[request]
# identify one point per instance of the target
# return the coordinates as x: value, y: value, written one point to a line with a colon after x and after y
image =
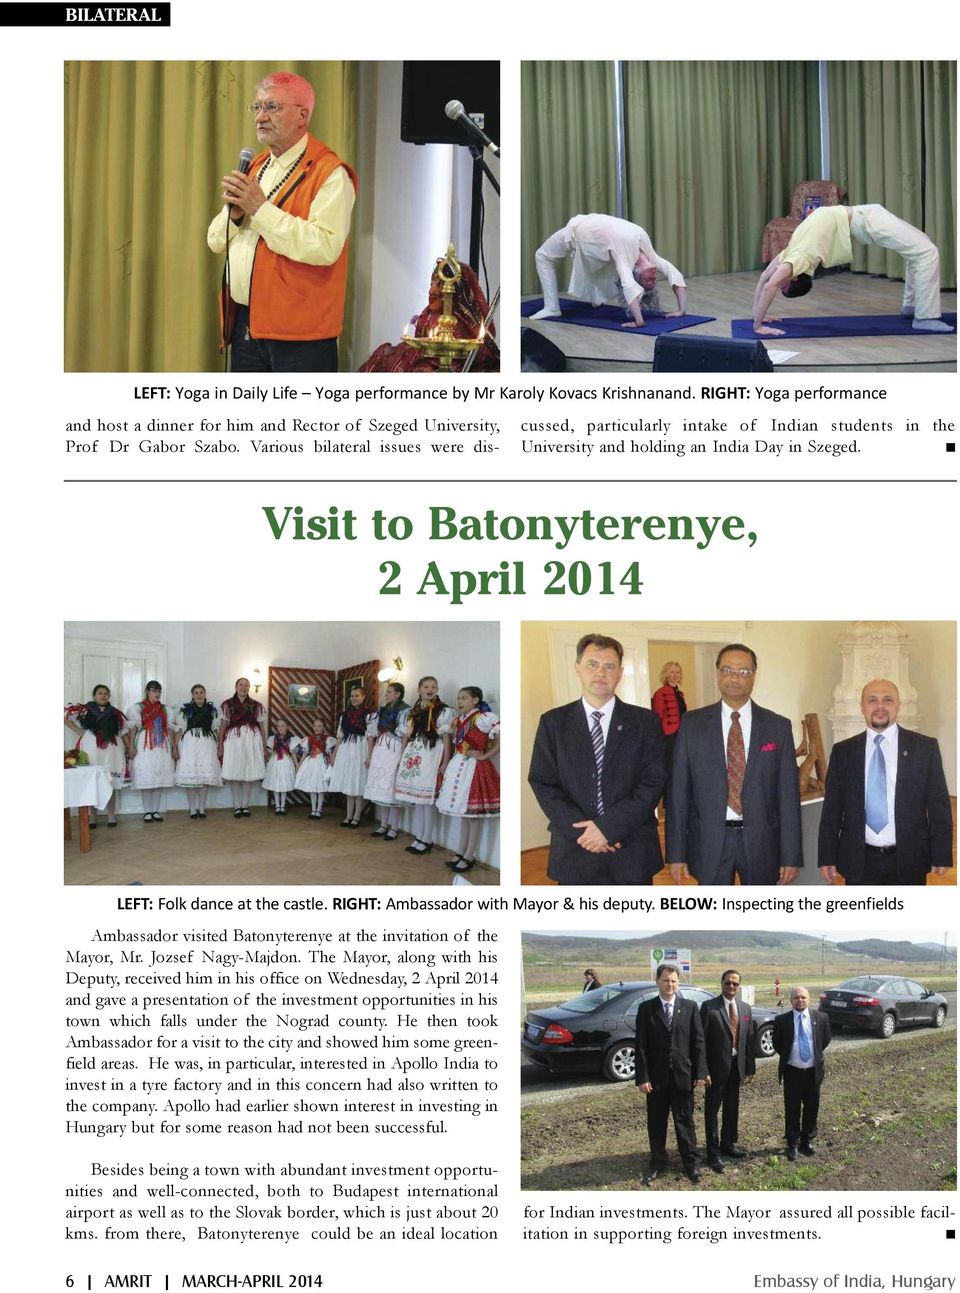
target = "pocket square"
x: 770, y: 745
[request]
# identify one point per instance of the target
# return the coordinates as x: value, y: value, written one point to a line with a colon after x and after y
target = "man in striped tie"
x: 598, y: 772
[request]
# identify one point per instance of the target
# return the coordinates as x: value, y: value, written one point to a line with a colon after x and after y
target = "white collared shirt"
x: 605, y: 712
x: 726, y: 722
x: 890, y: 747
x: 794, y: 1059
x: 672, y: 1003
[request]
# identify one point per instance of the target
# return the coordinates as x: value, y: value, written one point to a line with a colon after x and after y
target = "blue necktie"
x: 803, y: 1041
x: 596, y: 735
x: 877, y: 816
x: 668, y: 1015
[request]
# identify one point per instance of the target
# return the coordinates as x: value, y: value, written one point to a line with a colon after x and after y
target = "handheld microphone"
x: 456, y: 112
x: 246, y: 157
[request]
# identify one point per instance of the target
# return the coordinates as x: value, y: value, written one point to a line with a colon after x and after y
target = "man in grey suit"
x: 598, y: 772
x: 733, y: 808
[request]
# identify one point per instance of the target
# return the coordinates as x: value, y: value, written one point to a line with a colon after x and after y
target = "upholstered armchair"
x: 779, y: 231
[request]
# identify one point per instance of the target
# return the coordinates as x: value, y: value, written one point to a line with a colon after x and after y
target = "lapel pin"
x: 619, y: 727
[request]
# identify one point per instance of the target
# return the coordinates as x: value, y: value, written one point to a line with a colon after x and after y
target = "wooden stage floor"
x: 730, y: 296
x: 262, y: 849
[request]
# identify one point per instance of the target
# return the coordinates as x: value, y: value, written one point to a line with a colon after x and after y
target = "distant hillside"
x: 887, y: 951
x: 744, y: 946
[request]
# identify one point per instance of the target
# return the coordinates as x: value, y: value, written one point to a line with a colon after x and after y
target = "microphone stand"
x: 480, y: 168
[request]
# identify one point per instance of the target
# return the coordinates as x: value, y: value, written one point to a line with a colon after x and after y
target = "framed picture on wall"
x: 303, y: 696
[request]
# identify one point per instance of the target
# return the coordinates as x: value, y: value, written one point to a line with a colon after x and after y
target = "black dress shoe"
x: 244, y: 812
x: 109, y: 824
x: 791, y: 1153
x: 693, y: 1174
x: 238, y: 812
x: 715, y: 1165
x: 651, y: 1176
x: 807, y: 1149
x: 733, y: 1151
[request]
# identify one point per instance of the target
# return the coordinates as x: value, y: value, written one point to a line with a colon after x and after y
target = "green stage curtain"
x: 940, y: 118
x: 713, y: 152
x: 883, y: 117
x: 145, y: 145
x: 568, y: 149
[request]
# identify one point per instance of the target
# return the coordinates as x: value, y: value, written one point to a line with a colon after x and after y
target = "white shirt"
x: 794, y: 1059
x: 318, y: 240
x: 664, y: 1004
x: 726, y: 722
x: 605, y: 250
x: 604, y: 711
x: 889, y: 745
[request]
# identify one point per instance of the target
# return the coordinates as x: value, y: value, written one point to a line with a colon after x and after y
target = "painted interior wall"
x: 797, y: 670
x: 216, y: 653
x: 419, y: 203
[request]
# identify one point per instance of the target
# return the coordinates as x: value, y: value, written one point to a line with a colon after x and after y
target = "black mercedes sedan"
x: 594, y: 1033
x: 881, y: 1003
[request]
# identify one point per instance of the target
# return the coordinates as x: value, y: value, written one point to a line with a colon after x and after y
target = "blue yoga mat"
x: 843, y: 325
x: 612, y: 317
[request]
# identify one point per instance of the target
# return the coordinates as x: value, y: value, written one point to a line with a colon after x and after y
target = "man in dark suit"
x: 733, y: 806
x: 597, y: 771
x: 729, y: 1035
x: 800, y: 1038
x: 886, y: 812
x: 670, y: 1064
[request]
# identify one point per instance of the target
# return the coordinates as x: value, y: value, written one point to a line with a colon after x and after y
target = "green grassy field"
x: 887, y: 1122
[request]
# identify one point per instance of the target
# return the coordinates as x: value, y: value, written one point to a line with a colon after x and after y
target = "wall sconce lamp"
x: 256, y: 679
x: 391, y: 671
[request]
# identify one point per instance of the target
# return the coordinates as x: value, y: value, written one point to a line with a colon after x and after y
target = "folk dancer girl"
x: 349, y: 775
x: 281, y: 773
x: 242, y: 745
x: 100, y: 727
x: 384, y: 743
x: 471, y: 784
x: 198, y: 767
x: 423, y: 759
x: 313, y: 774
x: 152, y: 748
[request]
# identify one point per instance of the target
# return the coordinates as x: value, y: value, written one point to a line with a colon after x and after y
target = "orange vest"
x: 290, y: 301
